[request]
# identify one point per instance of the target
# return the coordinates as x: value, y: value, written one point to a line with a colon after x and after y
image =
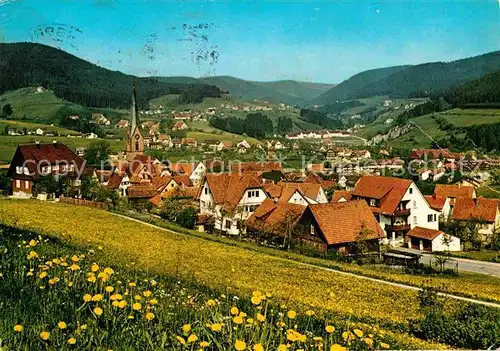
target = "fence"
x: 81, y: 202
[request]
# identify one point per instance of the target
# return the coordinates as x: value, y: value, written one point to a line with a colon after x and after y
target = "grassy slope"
x: 430, y: 129
x: 213, y: 264
x: 19, y: 125
x: 231, y: 259
x: 8, y: 144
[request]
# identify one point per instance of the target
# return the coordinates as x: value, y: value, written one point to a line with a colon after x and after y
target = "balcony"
x: 402, y: 212
x: 397, y: 228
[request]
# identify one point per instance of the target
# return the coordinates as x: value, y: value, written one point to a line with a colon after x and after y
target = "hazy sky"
x: 325, y: 41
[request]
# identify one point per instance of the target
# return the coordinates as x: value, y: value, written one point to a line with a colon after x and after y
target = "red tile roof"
x: 339, y: 194
x: 141, y: 191
x: 256, y: 166
x: 388, y: 190
x: 156, y: 200
x: 307, y: 189
x: 436, y: 153
x: 271, y: 217
x: 182, y: 179
x: 479, y: 209
x: 115, y: 180
x: 424, y: 233
x: 436, y: 202
x: 182, y: 168
x: 455, y: 190
x: 343, y: 221
x: 227, y: 189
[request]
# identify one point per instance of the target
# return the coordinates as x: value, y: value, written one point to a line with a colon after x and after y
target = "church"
x: 134, y: 139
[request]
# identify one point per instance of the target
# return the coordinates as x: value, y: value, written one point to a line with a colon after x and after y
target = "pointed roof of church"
x: 134, y: 122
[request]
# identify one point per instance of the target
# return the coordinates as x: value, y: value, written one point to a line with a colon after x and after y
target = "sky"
x: 313, y: 41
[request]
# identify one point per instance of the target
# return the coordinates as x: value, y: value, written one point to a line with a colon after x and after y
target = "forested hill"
x: 481, y: 92
x: 348, y: 88
x: 420, y: 80
x: 81, y: 82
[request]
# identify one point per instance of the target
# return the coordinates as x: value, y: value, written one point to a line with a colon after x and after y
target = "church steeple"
x: 133, y: 123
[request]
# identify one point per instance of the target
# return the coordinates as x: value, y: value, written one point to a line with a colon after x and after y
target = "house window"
x: 228, y: 224
x: 414, y: 219
x: 431, y: 218
x: 414, y: 204
x: 206, y: 190
x: 136, y: 146
x: 411, y: 190
x: 26, y: 184
x: 19, y: 170
x: 373, y: 202
x: 18, y: 183
x: 313, y: 232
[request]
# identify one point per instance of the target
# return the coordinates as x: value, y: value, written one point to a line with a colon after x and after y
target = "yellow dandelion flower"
x: 98, y: 311
x: 74, y: 267
x: 32, y: 255
x: 329, y: 329
x: 32, y: 242
x: 282, y: 347
x: 186, y: 328
x: 137, y: 306
x: 97, y: 297
x: 116, y: 297
x: 384, y: 345
x: 235, y: 311
x: 204, y: 344
x: 70, y: 284
x: 83, y: 326
x: 42, y: 275
x: 310, y: 313
x: 368, y: 341
x: 131, y: 284
x: 291, y: 314
x: 211, y: 303
x: 258, y: 347
x: 122, y: 304
x: 29, y: 274
x: 181, y: 340
x: 240, y: 345
x: 216, y: 327
x: 261, y: 317
x: 115, y: 303
x: 62, y: 325
x: 153, y: 301
x: 237, y: 320
x: 358, y: 332
x: 192, y: 338
x: 95, y: 267
x: 18, y: 328
x: 92, y: 279
x: 45, y: 335
x: 256, y: 300
x: 138, y: 297
x: 75, y: 258
x: 147, y: 293
x: 87, y: 298
x: 109, y: 289
x: 108, y: 271
x: 71, y: 341
x: 150, y: 316
x: 337, y: 347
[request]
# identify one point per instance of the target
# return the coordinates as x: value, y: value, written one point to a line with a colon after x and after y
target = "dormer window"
x: 373, y: 202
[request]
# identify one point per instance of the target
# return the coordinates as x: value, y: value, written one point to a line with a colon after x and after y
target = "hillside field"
x: 20, y: 125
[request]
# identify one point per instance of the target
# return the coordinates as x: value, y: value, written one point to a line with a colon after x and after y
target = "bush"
x: 187, y: 218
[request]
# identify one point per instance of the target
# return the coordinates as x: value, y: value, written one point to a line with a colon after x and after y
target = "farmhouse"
x: 31, y: 162
x: 231, y: 207
x: 179, y: 126
x: 224, y: 145
x: 397, y: 204
x: 483, y: 211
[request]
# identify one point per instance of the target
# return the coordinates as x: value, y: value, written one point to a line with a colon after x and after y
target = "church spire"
x: 134, y: 110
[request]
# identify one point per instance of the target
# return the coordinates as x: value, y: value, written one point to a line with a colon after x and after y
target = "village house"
x: 123, y: 123
x: 39, y: 131
x: 224, y: 145
x: 296, y: 193
x: 397, y: 204
x: 31, y: 162
x: 419, y: 154
x: 341, y: 196
x: 483, y: 211
x: 243, y: 144
x: 454, y: 191
x: 190, y: 143
x: 441, y: 204
x: 202, y: 167
x: 432, y: 240
x: 179, y: 126
x: 99, y: 118
x: 230, y: 208
x: 164, y: 139
x: 119, y: 181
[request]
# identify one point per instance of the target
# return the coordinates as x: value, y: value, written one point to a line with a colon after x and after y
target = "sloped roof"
x: 115, y: 180
x: 182, y: 179
x: 50, y: 153
x: 227, y: 189
x: 156, y: 200
x: 436, y: 202
x: 479, y: 209
x: 436, y: 153
x: 141, y: 191
x: 343, y: 221
x: 256, y: 166
x: 182, y: 168
x: 339, y: 194
x: 388, y: 190
x: 308, y: 189
x: 454, y: 190
x: 424, y: 233
x: 270, y: 217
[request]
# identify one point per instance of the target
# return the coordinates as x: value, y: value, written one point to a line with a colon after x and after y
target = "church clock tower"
x: 134, y: 138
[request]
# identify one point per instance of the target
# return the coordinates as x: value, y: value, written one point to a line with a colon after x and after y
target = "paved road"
x: 399, y: 285
x: 474, y: 266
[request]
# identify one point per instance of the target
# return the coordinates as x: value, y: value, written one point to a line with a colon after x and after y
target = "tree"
x: 285, y: 125
x: 257, y: 125
x: 46, y: 184
x: 97, y: 153
x: 187, y: 218
x: 7, y: 110
x: 166, y: 125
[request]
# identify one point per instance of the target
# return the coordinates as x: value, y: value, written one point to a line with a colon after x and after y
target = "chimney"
x: 37, y: 143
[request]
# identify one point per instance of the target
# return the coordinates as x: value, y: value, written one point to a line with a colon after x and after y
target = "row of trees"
x: 256, y: 125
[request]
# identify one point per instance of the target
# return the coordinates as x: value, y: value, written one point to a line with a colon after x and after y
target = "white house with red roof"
x: 230, y: 198
x: 432, y: 240
x: 397, y: 204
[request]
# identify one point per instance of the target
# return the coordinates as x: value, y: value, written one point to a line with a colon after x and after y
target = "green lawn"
x: 8, y: 144
x: 488, y: 256
x: 469, y: 117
